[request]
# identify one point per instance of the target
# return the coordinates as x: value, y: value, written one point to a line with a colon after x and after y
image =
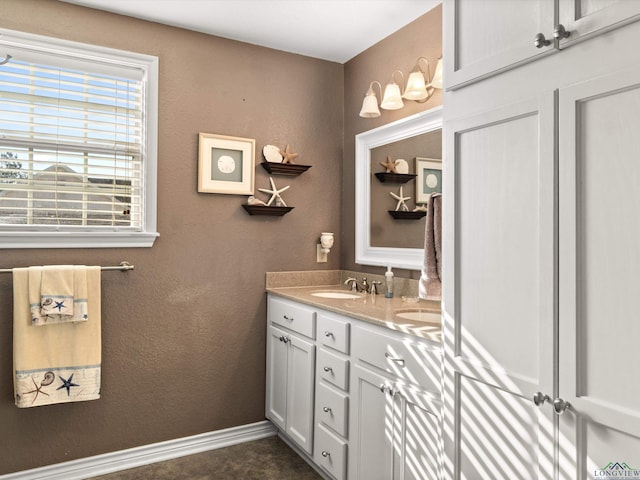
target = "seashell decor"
x: 272, y: 154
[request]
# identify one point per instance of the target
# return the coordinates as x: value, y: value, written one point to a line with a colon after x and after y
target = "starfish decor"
x: 401, y: 201
x: 390, y: 166
x: 274, y: 192
x: 288, y: 157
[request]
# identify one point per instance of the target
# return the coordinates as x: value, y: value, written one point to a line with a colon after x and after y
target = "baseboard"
x: 147, y: 454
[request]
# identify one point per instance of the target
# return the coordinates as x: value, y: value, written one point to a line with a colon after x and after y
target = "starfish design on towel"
x: 67, y: 384
x: 60, y: 305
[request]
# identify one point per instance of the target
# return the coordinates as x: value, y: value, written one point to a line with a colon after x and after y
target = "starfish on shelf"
x: 288, y: 157
x: 274, y: 192
x: 390, y: 166
x: 401, y: 201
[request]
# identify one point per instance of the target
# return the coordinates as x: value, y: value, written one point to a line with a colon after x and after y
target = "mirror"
x: 373, y: 143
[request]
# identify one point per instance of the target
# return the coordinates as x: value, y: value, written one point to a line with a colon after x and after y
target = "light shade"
x: 437, y: 76
x: 392, y: 99
x: 416, y: 86
x: 370, y: 103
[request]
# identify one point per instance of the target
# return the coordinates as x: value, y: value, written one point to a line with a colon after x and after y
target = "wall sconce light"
x: 324, y: 247
x: 420, y: 89
x: 370, y: 102
x: 417, y: 89
x: 392, y: 99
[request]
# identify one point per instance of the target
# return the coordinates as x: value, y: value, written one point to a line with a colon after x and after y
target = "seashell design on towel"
x: 48, y: 379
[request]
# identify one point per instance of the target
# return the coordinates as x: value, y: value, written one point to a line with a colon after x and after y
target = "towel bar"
x: 123, y: 267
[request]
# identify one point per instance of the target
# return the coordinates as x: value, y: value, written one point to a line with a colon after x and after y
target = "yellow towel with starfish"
x: 56, y: 363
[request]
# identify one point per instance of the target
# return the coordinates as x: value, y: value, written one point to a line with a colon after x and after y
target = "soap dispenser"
x: 388, y: 280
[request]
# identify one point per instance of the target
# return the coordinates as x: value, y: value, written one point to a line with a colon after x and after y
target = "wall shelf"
x: 395, y: 177
x: 401, y: 215
x: 265, y: 210
x: 289, y: 169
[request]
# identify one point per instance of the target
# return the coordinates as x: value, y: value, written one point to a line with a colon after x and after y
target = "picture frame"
x: 226, y: 164
x: 429, y: 179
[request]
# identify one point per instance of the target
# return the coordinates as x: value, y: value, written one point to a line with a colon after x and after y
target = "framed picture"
x: 429, y: 179
x: 226, y: 164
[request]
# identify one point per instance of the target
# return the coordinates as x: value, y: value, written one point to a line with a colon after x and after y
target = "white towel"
x: 58, y: 294
x: 59, y: 362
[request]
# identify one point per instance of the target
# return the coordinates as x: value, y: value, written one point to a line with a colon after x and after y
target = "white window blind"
x: 74, y: 142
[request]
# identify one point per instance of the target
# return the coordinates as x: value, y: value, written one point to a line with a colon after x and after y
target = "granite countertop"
x: 374, y: 309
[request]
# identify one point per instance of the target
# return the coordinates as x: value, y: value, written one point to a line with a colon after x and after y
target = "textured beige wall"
x: 184, y: 333
x: 421, y: 38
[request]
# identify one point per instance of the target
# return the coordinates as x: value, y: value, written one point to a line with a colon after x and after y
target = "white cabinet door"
x: 586, y: 18
x: 599, y: 241
x: 499, y: 314
x: 487, y: 36
x: 290, y: 385
x: 300, y: 391
x: 372, y: 426
x: 276, y: 401
x: 420, y: 455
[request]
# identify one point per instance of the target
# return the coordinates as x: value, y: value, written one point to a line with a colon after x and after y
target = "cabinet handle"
x: 539, y: 41
x: 539, y: 398
x: 559, y: 32
x: 328, y: 369
x: 394, y: 359
x: 288, y: 318
x: 284, y: 338
x: 326, y: 409
x: 384, y: 388
x: 328, y: 334
x: 560, y: 405
x: 325, y: 454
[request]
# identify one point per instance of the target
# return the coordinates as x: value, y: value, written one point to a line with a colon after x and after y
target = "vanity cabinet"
x: 488, y: 37
x: 540, y: 190
x: 396, y: 412
x: 372, y: 405
x: 291, y: 370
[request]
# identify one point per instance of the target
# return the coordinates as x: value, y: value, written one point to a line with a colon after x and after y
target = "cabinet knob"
x: 559, y: 32
x: 394, y: 359
x: 328, y: 334
x: 539, y: 398
x: 326, y: 409
x: 325, y: 454
x: 384, y: 388
x: 540, y: 41
x: 284, y: 338
x: 328, y: 369
x: 288, y: 318
x: 560, y: 405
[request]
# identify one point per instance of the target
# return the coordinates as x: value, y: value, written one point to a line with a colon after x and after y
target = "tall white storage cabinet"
x: 542, y: 244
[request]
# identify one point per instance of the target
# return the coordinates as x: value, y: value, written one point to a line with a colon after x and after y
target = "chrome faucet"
x: 352, y: 283
x: 362, y: 286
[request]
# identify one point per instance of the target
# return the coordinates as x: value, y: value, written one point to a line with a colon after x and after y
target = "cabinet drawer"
x: 332, y: 409
x: 406, y: 358
x: 291, y: 315
x: 331, y: 453
x: 333, y: 332
x: 333, y: 368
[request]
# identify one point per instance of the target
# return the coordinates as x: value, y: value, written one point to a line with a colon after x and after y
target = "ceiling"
x: 335, y: 30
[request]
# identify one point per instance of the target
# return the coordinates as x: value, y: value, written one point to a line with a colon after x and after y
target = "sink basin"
x: 419, y: 315
x: 336, y: 295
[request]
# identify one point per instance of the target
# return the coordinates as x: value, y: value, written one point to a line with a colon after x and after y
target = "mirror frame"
x: 408, y: 258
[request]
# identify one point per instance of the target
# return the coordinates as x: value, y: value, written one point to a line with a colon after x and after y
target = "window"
x: 78, y: 134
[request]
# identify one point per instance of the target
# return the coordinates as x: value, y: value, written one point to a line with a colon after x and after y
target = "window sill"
x: 77, y: 239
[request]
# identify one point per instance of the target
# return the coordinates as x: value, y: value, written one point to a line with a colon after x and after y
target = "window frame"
x: 26, y: 236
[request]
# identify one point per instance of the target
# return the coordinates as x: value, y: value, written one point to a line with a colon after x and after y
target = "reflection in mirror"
x: 380, y: 239
x: 384, y: 230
